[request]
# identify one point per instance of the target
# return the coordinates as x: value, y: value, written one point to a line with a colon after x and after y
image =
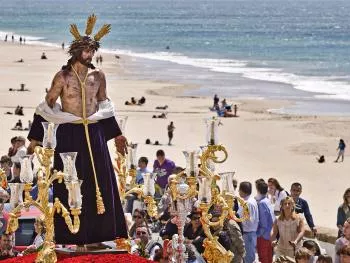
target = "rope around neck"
x: 99, y: 200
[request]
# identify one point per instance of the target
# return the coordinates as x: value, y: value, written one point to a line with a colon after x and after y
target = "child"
x: 39, y: 228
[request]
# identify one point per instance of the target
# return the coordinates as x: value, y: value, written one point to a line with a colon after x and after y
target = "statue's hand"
x: 121, y: 143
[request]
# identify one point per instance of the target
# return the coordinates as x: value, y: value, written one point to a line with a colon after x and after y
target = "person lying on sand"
x: 321, y: 159
x: 133, y: 101
x: 161, y: 116
x: 162, y: 107
x: 141, y: 101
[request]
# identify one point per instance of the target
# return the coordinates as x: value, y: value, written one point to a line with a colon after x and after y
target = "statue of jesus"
x: 86, y: 119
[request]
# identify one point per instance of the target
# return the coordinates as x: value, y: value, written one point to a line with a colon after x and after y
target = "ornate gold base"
x: 47, y: 253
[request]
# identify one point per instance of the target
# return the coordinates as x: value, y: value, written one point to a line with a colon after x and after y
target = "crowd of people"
x: 274, y: 233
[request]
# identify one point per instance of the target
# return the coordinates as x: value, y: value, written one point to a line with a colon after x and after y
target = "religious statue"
x: 86, y: 119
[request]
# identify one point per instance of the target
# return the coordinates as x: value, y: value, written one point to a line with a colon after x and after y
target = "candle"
x: 212, y: 132
x: 74, y: 194
x: 192, y: 163
x: 26, y: 174
x: 146, y: 186
x: 69, y: 167
x: 50, y: 132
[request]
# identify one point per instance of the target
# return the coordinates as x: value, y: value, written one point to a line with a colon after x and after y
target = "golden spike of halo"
x: 90, y: 23
x: 106, y: 28
x: 75, y: 32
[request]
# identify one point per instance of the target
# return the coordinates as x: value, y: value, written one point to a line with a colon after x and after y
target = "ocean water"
x: 294, y: 49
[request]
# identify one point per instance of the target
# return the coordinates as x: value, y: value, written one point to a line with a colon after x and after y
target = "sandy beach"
x: 260, y: 144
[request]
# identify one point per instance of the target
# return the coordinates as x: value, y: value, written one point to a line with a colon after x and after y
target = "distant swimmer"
x: 167, y: 47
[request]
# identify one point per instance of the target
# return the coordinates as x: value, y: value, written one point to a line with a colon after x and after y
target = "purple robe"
x: 71, y: 138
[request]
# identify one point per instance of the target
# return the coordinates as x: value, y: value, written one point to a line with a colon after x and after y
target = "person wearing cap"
x: 21, y: 149
x: 86, y: 119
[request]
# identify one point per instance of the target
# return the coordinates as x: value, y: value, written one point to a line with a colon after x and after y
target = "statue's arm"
x: 54, y: 92
x: 32, y: 145
x: 102, y: 90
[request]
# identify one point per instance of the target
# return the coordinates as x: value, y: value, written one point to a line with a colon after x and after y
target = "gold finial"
x: 90, y: 23
x: 106, y: 28
x: 75, y: 32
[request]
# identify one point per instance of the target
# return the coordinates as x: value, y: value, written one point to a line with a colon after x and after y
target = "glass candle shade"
x: 121, y: 120
x: 69, y: 170
x: 204, y: 193
x: 148, y: 186
x: 225, y: 182
x: 132, y: 158
x: 192, y: 160
x: 49, y: 140
x: 212, y: 130
x: 182, y: 188
x: 16, y: 196
x: 26, y: 174
x: 74, y: 193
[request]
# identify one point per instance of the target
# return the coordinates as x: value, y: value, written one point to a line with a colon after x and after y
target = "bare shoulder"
x: 99, y: 74
x: 61, y: 76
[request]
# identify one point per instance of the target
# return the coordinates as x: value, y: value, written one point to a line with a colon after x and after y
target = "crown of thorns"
x: 81, y: 42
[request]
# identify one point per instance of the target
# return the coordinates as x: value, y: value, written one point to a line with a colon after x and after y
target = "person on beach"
x: 62, y: 45
x: 341, y: 150
x: 235, y: 108
x: 216, y: 102
x: 86, y: 119
x: 18, y: 125
x: 171, y: 129
x: 43, y: 56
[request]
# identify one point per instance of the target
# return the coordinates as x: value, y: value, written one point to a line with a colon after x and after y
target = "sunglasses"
x: 195, y: 218
x: 139, y: 217
x: 139, y: 233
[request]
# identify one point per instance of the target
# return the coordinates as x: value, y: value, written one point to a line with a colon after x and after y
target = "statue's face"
x: 86, y: 56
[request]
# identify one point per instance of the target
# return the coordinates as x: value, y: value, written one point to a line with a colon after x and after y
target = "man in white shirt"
x: 20, y: 145
x: 249, y: 227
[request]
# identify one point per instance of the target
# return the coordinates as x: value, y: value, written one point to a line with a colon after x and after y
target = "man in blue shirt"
x: 250, y: 226
x: 142, y: 169
x: 266, y: 218
x: 301, y: 206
